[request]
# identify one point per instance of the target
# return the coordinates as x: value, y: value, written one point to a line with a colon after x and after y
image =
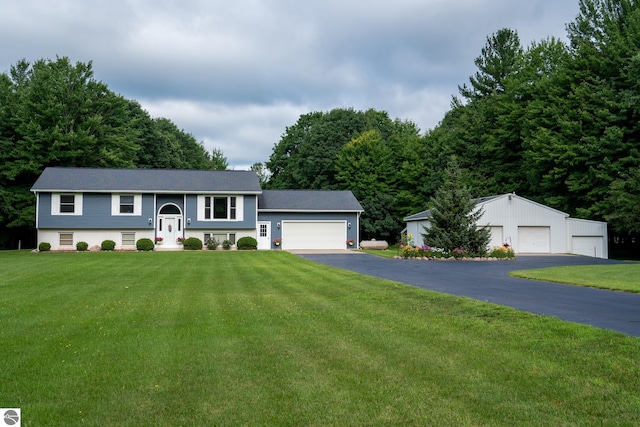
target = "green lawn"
x: 620, y: 277
x: 266, y: 338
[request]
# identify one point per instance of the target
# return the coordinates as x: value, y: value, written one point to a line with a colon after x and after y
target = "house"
x: 529, y: 227
x: 125, y: 205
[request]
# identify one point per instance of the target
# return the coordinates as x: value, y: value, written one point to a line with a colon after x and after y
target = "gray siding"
x: 246, y: 223
x: 96, y: 213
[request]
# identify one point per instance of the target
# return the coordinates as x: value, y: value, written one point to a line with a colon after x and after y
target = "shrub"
x: 226, y: 245
x: 192, y: 243
x: 502, y: 252
x: 108, y: 245
x: 44, y: 246
x: 247, y: 243
x: 144, y: 244
x: 82, y: 246
x: 212, y: 244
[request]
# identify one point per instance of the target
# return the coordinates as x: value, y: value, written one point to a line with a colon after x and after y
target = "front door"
x: 264, y: 235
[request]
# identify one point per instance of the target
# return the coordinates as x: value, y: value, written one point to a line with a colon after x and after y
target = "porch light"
x: 150, y: 220
x: 278, y: 225
x: 349, y: 225
x: 188, y: 220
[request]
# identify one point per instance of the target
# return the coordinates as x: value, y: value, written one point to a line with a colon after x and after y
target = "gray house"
x: 124, y: 205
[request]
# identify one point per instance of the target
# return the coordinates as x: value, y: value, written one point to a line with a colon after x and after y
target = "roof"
x: 424, y: 215
x: 146, y: 180
x: 308, y: 200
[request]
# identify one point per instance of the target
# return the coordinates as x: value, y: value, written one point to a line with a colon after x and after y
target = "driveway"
x: 488, y: 281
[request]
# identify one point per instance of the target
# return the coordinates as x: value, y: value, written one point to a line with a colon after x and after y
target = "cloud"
x: 236, y: 74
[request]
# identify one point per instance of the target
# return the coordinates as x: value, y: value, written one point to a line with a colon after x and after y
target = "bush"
x: 247, y: 243
x: 212, y: 244
x: 144, y: 244
x: 226, y: 245
x: 108, y: 245
x: 82, y: 246
x: 192, y: 243
x: 502, y: 252
x: 44, y: 246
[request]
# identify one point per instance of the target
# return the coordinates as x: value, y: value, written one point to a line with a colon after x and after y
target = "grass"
x: 619, y: 277
x: 267, y: 338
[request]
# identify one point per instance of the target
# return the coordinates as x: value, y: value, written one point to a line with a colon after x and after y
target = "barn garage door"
x: 534, y: 240
x: 588, y: 245
x: 314, y: 234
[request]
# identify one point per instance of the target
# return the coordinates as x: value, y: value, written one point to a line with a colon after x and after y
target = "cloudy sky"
x: 236, y: 73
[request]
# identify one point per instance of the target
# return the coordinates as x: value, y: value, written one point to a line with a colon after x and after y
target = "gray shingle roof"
x: 146, y: 180
x: 308, y: 200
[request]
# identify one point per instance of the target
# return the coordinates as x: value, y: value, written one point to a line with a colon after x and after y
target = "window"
x: 66, y: 239
x: 227, y: 208
x: 220, y: 210
x: 126, y: 204
x: 221, y: 237
x: 263, y: 230
x: 128, y: 239
x: 66, y: 204
x: 207, y: 208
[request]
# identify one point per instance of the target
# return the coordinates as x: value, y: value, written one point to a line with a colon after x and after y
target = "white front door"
x: 169, y: 228
x: 264, y: 235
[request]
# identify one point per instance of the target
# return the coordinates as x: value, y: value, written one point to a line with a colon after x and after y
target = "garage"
x: 534, y: 240
x: 314, y: 234
x: 588, y: 245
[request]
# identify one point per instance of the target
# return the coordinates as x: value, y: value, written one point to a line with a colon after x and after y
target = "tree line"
x: 556, y: 122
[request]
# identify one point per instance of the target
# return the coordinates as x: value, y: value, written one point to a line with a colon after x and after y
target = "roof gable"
x: 483, y: 201
x: 146, y: 180
x: 308, y: 200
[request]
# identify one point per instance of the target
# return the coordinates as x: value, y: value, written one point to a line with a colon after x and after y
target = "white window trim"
x: 239, y: 208
x: 77, y: 204
x: 137, y: 205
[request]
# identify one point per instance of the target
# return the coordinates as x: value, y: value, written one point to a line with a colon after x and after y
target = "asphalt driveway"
x: 488, y: 281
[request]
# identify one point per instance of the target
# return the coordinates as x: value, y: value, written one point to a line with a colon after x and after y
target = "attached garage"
x: 534, y: 240
x: 308, y: 219
x: 314, y: 234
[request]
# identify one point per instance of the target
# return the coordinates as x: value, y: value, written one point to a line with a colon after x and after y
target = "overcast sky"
x: 236, y: 73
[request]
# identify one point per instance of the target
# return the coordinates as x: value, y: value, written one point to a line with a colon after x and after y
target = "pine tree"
x: 454, y: 217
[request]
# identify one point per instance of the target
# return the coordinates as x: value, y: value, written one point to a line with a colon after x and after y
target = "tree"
x: 364, y: 166
x: 219, y: 161
x: 625, y: 200
x: 454, y: 217
x: 305, y: 156
x: 499, y: 60
x: 262, y: 172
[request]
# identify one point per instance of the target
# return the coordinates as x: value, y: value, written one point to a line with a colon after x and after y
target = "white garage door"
x: 534, y: 240
x: 588, y: 245
x: 496, y: 237
x: 314, y: 234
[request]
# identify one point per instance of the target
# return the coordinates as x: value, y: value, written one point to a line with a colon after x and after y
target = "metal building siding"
x: 511, y: 212
x: 581, y: 231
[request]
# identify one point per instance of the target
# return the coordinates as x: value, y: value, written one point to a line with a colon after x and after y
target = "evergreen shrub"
x: 144, y: 244
x: 108, y: 245
x: 247, y: 243
x: 192, y: 243
x: 44, y: 246
x: 82, y: 246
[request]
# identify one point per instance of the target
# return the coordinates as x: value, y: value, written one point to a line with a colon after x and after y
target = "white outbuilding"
x: 529, y: 227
